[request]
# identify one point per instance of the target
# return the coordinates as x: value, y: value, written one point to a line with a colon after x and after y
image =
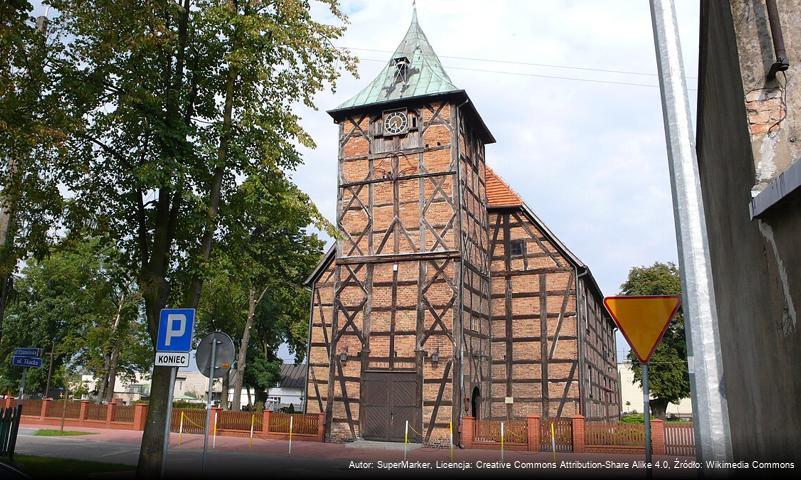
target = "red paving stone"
x: 336, y: 451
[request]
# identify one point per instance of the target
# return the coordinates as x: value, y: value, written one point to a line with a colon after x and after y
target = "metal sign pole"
x: 705, y: 365
x: 22, y: 384
x: 208, y: 402
x: 168, y: 423
x: 646, y: 416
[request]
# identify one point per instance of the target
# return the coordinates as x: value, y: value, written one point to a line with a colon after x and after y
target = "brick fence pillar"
x: 140, y: 416
x: 43, y: 410
x: 533, y: 424
x: 321, y: 426
x: 578, y: 434
x: 7, y: 402
x: 658, y: 436
x: 265, y: 421
x: 110, y: 409
x: 468, y: 430
x: 84, y: 410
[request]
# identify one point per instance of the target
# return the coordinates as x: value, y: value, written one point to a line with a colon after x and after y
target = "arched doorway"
x: 475, y: 402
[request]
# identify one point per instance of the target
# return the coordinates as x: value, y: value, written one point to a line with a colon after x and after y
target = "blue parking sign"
x: 175, y: 330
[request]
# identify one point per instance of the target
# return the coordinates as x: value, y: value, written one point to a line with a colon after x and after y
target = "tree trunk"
x: 112, y: 374
x: 659, y: 408
x: 239, y: 373
x: 150, y: 454
x: 225, y: 389
x: 106, y: 390
x: 5, y: 243
x: 155, y: 291
x: 153, y: 285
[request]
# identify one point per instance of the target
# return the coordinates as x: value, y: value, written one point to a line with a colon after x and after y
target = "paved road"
x: 233, y: 458
x: 182, y: 463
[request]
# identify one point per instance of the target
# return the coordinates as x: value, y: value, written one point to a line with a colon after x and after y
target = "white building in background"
x: 288, y: 391
x: 191, y: 386
x: 631, y: 395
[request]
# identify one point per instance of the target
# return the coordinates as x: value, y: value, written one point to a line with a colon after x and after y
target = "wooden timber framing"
x: 407, y: 287
x: 424, y: 270
x: 536, y: 323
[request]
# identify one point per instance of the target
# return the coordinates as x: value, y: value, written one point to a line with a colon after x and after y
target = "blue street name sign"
x: 28, y: 352
x: 30, y: 362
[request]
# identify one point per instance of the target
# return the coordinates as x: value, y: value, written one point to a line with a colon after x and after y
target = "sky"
x: 588, y: 157
x: 581, y: 142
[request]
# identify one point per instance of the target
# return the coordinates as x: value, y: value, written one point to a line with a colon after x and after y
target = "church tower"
x: 400, y: 327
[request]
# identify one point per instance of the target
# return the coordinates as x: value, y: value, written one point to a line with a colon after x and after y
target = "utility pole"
x: 49, y: 368
x: 707, y: 382
x: 7, y: 215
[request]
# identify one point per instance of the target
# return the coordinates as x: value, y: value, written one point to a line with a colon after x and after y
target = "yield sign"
x: 643, y: 320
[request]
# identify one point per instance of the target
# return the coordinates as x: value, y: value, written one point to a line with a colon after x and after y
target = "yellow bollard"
x: 405, y: 440
x: 214, y: 438
x: 502, y: 442
x: 450, y: 427
x: 181, y: 430
x: 252, y: 420
x: 553, y: 441
x: 291, y: 423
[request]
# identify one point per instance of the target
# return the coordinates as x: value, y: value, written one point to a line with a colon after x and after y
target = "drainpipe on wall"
x: 782, y: 63
x: 460, y: 407
x: 580, y: 320
x: 308, y: 348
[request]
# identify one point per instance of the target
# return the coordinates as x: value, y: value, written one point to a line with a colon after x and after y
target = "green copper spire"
x: 414, y: 70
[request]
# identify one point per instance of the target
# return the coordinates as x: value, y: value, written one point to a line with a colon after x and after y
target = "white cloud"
x: 589, y: 158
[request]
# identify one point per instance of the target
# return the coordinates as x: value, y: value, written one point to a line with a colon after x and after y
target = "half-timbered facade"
x: 421, y: 313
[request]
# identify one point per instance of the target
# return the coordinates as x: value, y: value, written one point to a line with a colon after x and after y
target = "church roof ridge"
x: 413, y: 71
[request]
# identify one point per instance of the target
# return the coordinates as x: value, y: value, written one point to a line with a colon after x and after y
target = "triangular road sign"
x: 643, y: 320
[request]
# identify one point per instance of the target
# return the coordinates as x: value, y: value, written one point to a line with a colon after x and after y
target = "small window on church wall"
x: 518, y: 248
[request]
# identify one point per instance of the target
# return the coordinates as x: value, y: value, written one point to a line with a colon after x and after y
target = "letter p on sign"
x: 172, y: 330
x: 175, y: 330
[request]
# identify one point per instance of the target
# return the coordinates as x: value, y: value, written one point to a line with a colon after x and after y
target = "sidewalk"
x: 122, y: 446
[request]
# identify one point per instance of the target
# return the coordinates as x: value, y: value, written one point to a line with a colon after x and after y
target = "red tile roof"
x: 499, y: 194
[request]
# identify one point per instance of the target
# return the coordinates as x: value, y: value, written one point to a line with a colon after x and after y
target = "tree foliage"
x: 33, y: 136
x: 668, y: 379
x: 67, y: 303
x: 179, y: 101
x: 256, y: 294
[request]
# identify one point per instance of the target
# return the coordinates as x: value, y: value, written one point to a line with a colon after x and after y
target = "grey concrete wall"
x: 773, y: 105
x: 756, y: 263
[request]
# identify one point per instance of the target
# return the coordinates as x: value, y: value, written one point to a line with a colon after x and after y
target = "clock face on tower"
x: 396, y: 123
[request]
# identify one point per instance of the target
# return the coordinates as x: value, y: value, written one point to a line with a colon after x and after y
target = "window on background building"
x: 518, y: 248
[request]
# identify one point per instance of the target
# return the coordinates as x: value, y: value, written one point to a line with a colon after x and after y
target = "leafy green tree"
x: 668, y: 379
x: 180, y: 100
x: 70, y: 304
x: 32, y: 136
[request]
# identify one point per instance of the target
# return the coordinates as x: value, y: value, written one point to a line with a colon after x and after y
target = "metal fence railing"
x: 679, y: 439
x: 123, y: 413
x: 615, y: 434
x: 96, y: 411
x: 231, y: 420
x: 188, y: 420
x: 558, y: 433
x: 489, y: 431
x: 302, y: 424
x: 32, y: 407
x: 55, y: 408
